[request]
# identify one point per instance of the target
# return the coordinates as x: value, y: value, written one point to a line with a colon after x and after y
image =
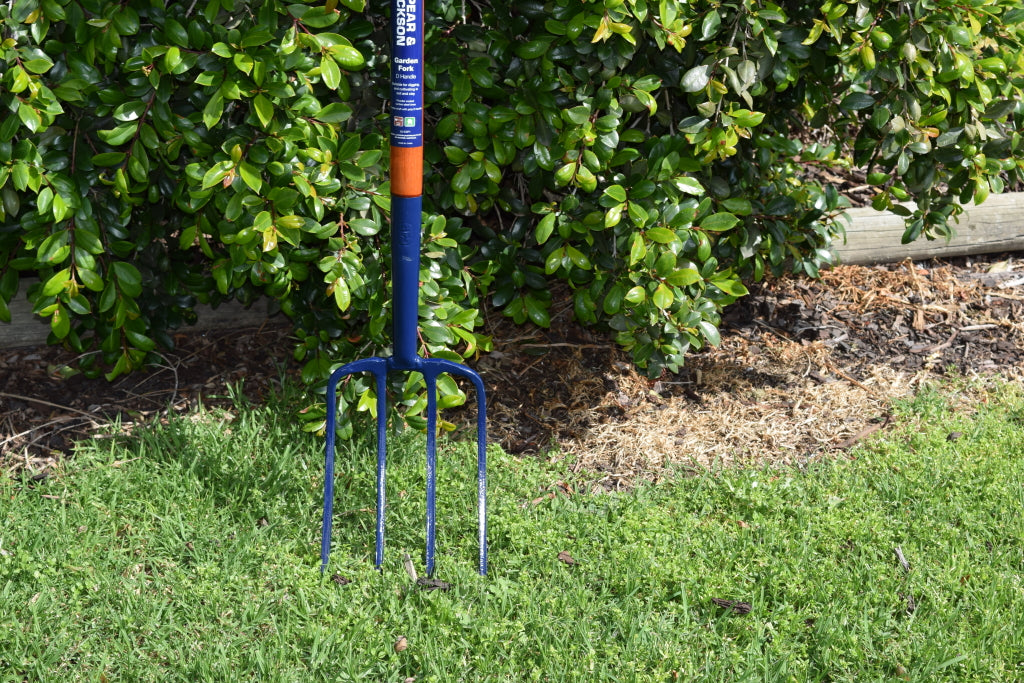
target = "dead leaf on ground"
x: 737, y: 606
x: 565, y: 557
x: 401, y: 644
x: 433, y: 584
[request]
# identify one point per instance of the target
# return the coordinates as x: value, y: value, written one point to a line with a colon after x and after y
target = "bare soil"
x: 806, y: 369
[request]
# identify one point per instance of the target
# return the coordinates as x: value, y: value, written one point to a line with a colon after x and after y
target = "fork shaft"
x: 405, y: 290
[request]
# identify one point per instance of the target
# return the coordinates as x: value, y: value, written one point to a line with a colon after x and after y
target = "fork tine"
x: 382, y: 463
x: 432, y: 368
x: 378, y: 367
x: 431, y: 379
x: 481, y: 468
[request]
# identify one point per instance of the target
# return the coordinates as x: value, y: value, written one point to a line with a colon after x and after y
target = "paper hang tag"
x: 407, y: 73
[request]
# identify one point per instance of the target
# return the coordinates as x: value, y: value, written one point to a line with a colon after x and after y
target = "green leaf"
x: 688, y: 185
x: 638, y: 214
x: 564, y: 175
x: 533, y: 49
x: 648, y: 83
x: 176, y: 32
x: 250, y: 176
x: 256, y: 37
x: 20, y: 79
x: 90, y: 278
x: 128, y: 278
x: 462, y: 88
x: 364, y: 227
x: 554, y: 260
x: 217, y: 174
x: 213, y: 110
x: 718, y: 222
x: 319, y: 17
x: 40, y: 62
x: 60, y: 208
x: 730, y: 285
x: 462, y: 180
x: 336, y: 112
x: 330, y: 72
x: 636, y: 295
x: 577, y: 258
x: 221, y: 272
x: 43, y: 202
x: 586, y: 179
x: 696, y: 79
x: 663, y: 296
x: 222, y: 50
x: 342, y: 295
x: 108, y: 158
x: 747, y: 118
x: 613, y: 300
x: 10, y: 202
x: 613, y: 216
x: 637, y: 250
x: 684, y: 277
x: 856, y: 101
x: 537, y: 311
x: 616, y: 192
x: 172, y: 58
x: 545, y: 227
x: 661, y: 235
x: 264, y: 109
x: 57, y: 282
x: 710, y: 25
x: 139, y: 340
x: 60, y: 322
x: 710, y: 333
x: 29, y: 117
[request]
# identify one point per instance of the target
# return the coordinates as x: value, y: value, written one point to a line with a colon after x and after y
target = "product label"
x: 407, y: 73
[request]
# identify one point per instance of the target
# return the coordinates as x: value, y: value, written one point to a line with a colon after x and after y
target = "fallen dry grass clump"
x: 747, y: 404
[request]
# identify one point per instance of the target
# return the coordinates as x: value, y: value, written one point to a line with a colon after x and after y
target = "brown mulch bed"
x: 45, y: 405
x: 806, y: 369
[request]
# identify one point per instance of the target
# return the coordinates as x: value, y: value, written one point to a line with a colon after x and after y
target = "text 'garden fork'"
x: 407, y: 57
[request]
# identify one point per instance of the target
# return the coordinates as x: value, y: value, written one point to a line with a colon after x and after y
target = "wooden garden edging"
x: 872, y: 237
x: 27, y: 330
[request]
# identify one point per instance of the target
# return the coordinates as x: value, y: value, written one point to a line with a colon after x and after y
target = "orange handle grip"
x: 407, y: 171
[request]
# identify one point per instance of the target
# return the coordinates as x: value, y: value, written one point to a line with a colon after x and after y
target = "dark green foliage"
x: 651, y: 157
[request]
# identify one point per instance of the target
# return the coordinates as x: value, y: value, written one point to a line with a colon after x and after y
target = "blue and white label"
x: 407, y: 73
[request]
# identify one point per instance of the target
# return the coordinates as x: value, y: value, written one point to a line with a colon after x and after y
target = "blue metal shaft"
x: 405, y: 278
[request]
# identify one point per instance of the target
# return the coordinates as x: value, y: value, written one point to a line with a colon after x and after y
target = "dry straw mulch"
x: 806, y: 369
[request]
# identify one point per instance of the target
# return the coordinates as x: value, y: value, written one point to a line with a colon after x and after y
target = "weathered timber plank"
x: 26, y: 329
x: 874, y: 236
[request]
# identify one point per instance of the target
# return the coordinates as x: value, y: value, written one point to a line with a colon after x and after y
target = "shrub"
x: 650, y: 156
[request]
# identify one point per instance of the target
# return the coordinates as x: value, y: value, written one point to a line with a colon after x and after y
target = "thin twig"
x: 40, y: 401
x: 903, y: 560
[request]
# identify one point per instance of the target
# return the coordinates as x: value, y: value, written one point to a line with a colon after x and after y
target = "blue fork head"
x: 431, y: 368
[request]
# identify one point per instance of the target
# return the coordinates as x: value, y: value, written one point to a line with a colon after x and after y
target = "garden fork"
x: 406, y: 206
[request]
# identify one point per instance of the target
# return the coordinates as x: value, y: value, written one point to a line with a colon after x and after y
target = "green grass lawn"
x: 189, y: 551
